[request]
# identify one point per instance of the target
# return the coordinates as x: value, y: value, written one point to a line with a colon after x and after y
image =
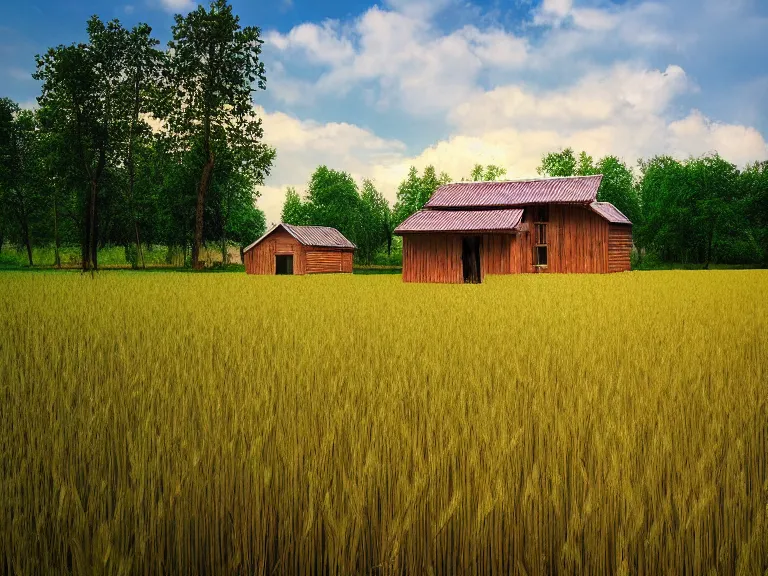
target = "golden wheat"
x: 172, y: 423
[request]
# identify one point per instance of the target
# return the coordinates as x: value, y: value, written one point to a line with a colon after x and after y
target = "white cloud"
x: 177, y: 5
x: 413, y: 66
x: 304, y: 145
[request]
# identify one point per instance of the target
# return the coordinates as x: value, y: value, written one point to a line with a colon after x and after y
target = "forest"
x: 134, y: 147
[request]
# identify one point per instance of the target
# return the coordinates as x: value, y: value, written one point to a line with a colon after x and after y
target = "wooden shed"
x: 287, y: 249
x: 469, y: 229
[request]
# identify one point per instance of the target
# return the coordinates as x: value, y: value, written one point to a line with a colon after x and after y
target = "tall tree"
x: 295, y: 211
x: 81, y: 84
x: 213, y: 65
x: 375, y: 218
x: 143, y: 68
x: 333, y: 200
x: 21, y: 197
x: 8, y: 110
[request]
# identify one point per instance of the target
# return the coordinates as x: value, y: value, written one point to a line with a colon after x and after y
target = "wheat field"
x: 172, y: 423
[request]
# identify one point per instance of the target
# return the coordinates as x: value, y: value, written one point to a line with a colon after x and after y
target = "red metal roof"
x: 319, y: 236
x: 322, y: 236
x: 461, y: 221
x: 574, y: 189
x: 610, y: 212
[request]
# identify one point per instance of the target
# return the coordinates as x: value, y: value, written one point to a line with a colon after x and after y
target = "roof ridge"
x: 544, y: 179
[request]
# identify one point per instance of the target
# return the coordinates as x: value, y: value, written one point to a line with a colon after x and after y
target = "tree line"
x: 134, y: 145
x: 693, y: 211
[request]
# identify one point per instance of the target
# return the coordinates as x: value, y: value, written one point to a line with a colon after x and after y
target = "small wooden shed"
x: 287, y: 249
x: 469, y: 229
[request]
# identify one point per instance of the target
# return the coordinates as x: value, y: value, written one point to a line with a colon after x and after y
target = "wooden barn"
x: 469, y: 229
x: 287, y: 249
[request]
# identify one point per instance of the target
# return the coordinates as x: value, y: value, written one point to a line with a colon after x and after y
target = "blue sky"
x: 374, y: 88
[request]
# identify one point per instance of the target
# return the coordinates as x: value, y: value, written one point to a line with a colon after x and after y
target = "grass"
x: 207, y: 424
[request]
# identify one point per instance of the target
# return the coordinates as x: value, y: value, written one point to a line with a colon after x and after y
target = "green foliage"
x: 489, y: 173
x: 333, y: 200
x: 700, y: 210
x: 295, y: 211
x: 415, y: 190
x: 375, y: 224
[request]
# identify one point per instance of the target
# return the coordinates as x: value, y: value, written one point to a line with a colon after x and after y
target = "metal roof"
x: 573, y: 189
x: 610, y: 212
x: 461, y: 221
x: 322, y: 236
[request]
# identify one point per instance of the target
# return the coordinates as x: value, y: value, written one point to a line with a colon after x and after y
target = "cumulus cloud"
x: 414, y: 66
x: 302, y: 145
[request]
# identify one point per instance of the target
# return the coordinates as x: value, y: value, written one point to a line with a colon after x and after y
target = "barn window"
x: 541, y: 215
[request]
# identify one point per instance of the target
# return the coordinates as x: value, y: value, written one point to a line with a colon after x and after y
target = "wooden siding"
x: 433, y: 258
x: 319, y: 261
x: 261, y: 258
x: 577, y: 241
x: 619, y: 247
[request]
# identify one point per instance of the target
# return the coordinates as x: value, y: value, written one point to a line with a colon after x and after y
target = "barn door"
x: 470, y: 258
x: 284, y: 264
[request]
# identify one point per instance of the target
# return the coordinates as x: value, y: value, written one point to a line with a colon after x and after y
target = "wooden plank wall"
x: 495, y: 254
x: 261, y: 258
x: 432, y: 258
x: 577, y: 239
x: 326, y: 261
x: 619, y: 247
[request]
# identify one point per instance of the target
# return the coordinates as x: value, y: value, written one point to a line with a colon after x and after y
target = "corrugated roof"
x: 322, y: 236
x: 574, y: 189
x: 461, y: 221
x: 610, y: 212
x: 319, y: 236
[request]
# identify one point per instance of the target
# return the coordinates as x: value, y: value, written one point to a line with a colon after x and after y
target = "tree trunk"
x: 28, y: 243
x: 709, y: 248
x: 202, y: 190
x: 131, y: 164
x: 242, y: 254
x: 139, y: 251
x: 90, y: 245
x: 56, y: 254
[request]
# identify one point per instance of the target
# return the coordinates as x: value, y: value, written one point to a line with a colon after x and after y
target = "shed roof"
x: 461, y: 221
x: 610, y: 213
x: 567, y: 190
x: 322, y: 236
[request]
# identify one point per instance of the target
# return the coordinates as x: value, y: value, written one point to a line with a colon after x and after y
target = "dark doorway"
x: 284, y: 264
x: 470, y: 258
